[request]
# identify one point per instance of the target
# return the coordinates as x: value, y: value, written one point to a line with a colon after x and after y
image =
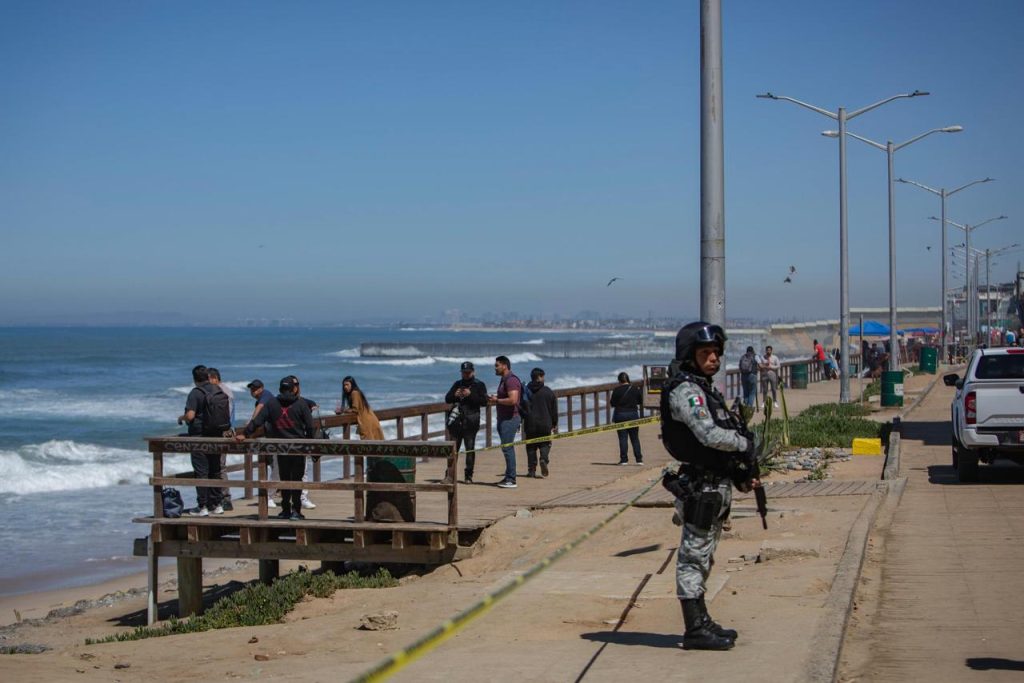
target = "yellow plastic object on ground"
x: 867, y: 446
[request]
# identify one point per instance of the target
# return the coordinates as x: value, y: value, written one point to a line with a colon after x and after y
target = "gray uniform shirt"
x: 689, y: 405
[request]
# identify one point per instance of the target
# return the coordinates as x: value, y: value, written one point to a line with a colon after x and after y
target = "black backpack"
x: 216, y: 414
x: 524, y: 400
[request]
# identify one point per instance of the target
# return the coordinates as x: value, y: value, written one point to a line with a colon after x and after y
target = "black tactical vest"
x: 681, y: 443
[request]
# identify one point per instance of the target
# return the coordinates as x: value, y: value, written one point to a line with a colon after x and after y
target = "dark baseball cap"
x: 467, y: 366
x: 287, y: 385
x: 255, y: 384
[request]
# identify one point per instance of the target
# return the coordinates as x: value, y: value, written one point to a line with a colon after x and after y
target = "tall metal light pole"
x: 841, y: 116
x: 972, y: 303
x: 943, y: 194
x: 712, y: 173
x: 890, y: 150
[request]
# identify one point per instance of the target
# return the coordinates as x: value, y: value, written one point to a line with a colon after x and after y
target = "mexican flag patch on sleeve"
x: 696, y: 401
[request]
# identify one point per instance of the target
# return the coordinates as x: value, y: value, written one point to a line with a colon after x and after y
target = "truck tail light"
x: 971, y: 408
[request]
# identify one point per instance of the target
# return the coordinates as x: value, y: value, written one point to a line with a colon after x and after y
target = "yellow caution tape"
x: 448, y: 628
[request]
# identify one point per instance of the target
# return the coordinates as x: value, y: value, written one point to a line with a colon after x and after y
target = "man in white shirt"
x: 769, y: 365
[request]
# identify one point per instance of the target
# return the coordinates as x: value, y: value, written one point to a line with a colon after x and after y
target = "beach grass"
x: 828, y: 425
x: 258, y: 604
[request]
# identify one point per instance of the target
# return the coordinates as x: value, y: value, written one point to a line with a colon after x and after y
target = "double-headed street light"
x: 890, y: 149
x: 972, y: 303
x: 943, y: 193
x: 841, y: 116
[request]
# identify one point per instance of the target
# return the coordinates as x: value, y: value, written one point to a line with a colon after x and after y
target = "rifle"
x: 762, y: 504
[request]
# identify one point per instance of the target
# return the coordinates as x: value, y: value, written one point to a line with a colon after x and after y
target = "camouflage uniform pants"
x: 697, y: 546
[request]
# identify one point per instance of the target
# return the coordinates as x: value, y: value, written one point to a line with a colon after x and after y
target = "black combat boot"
x: 698, y: 635
x: 714, y: 627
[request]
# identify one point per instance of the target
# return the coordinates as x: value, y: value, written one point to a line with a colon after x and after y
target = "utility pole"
x: 712, y: 169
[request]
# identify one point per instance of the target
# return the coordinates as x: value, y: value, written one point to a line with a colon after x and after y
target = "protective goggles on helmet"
x: 710, y: 334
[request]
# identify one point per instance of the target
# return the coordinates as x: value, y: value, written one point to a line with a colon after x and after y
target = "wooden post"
x: 248, y: 474
x: 360, y: 495
x: 424, y: 427
x: 583, y: 411
x: 190, y: 586
x: 158, y: 491
x: 269, y: 570
x: 607, y: 407
x: 487, y: 427
x: 597, y: 409
x: 400, y: 427
x: 261, y: 508
x: 316, y: 467
x: 568, y: 412
x: 346, y: 463
x: 152, y: 602
x: 453, y: 501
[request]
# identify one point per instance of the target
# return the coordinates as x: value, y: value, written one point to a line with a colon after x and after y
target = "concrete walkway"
x: 942, y: 593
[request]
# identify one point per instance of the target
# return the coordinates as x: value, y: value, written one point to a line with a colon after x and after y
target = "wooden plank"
x: 247, y: 465
x: 400, y: 427
x: 424, y: 427
x: 360, y: 496
x: 583, y: 411
x: 568, y: 412
x: 306, y: 536
x: 153, y: 573
x: 338, y: 552
x: 398, y: 540
x: 301, y: 447
x: 359, y: 539
x: 190, y: 586
x: 158, y: 494
x: 438, y: 541
x: 332, y: 485
x: 239, y: 522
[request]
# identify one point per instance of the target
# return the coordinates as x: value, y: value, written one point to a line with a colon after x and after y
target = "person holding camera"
x: 467, y: 396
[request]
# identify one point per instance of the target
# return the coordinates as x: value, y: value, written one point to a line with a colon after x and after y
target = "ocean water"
x: 73, y: 465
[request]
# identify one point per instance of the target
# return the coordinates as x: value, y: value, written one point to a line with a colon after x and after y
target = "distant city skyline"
x: 206, y: 162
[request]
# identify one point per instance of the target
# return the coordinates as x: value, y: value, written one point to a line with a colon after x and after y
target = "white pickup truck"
x: 988, y: 410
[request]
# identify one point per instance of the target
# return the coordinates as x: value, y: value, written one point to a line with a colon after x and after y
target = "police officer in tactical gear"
x: 716, y: 451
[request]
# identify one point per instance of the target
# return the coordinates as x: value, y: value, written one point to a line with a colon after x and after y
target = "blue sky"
x: 343, y: 160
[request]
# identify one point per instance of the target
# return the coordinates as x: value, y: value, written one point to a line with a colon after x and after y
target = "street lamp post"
x: 943, y: 194
x: 972, y: 303
x: 890, y: 150
x: 841, y: 116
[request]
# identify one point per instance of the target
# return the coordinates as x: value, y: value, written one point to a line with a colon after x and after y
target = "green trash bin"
x: 892, y: 388
x: 798, y: 376
x: 929, y: 359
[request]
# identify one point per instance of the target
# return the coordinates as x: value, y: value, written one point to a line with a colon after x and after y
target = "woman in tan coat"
x: 353, y: 401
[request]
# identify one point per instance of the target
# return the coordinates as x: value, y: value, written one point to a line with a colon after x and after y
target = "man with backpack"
x: 510, y: 405
x: 225, y: 492
x: 207, y: 413
x: 541, y: 421
x: 748, y: 377
x: 467, y: 396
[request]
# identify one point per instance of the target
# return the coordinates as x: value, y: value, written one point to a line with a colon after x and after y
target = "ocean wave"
x: 71, y: 466
x: 635, y: 372
x: 36, y: 403
x: 533, y: 341
x: 398, y: 361
x: 525, y: 357
x: 345, y: 353
x: 261, y: 365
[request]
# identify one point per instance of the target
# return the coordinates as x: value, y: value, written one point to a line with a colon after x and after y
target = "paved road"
x: 950, y: 602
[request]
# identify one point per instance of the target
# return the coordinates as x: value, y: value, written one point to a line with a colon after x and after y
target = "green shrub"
x: 258, y: 604
x: 829, y: 425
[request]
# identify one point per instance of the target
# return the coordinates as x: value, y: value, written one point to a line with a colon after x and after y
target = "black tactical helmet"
x: 697, y: 334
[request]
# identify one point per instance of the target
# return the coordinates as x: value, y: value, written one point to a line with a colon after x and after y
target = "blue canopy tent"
x: 872, y: 328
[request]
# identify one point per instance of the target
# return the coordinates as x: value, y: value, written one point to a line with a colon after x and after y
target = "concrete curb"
x: 891, y: 469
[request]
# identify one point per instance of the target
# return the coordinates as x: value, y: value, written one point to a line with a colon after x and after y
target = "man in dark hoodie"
x: 541, y: 421
x: 467, y: 396
x: 286, y: 417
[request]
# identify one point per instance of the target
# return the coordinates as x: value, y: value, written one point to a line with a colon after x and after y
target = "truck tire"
x: 967, y: 466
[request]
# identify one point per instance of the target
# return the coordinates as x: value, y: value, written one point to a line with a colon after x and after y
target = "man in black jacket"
x: 467, y: 396
x: 286, y: 417
x: 541, y: 421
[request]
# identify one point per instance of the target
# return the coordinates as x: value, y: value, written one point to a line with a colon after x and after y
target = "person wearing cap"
x: 716, y: 451
x: 285, y: 417
x: 314, y: 408
x: 540, y: 422
x: 262, y: 396
x: 467, y: 396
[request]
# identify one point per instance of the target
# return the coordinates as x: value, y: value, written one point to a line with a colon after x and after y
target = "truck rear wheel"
x: 956, y: 451
x: 967, y: 466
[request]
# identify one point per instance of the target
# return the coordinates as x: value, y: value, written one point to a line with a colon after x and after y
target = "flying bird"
x: 929, y: 247
x: 792, y: 269
x: 612, y: 280
x: 788, y: 279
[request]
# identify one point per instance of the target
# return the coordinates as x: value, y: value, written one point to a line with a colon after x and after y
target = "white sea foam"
x: 261, y: 365
x: 37, y: 403
x: 533, y: 341
x: 526, y: 357
x: 70, y: 466
x: 635, y: 372
x: 345, y: 353
x: 398, y: 361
